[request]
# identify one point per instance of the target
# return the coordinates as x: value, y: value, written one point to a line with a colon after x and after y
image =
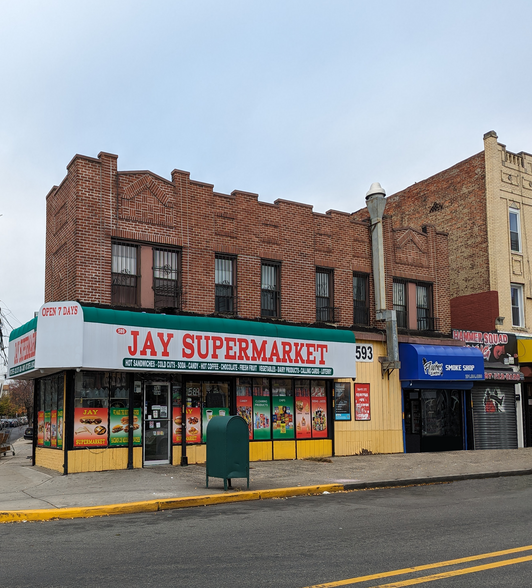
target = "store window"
x: 91, y: 410
x: 399, y: 303
x: 204, y: 400
x: 518, y: 319
x: 270, y: 289
x: 167, y: 278
x: 224, y: 279
x: 515, y: 229
x: 324, y: 296
x: 360, y: 299
x: 124, y: 274
x: 50, y: 412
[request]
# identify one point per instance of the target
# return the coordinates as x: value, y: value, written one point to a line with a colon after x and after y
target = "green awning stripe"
x: 216, y: 325
x: 26, y: 328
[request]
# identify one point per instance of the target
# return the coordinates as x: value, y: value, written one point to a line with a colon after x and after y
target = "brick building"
x: 220, y: 303
x: 483, y: 203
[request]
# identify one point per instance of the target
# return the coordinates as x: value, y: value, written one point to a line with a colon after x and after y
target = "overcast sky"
x: 302, y: 100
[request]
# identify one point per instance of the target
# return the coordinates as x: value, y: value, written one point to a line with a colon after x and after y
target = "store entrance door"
x: 157, y: 428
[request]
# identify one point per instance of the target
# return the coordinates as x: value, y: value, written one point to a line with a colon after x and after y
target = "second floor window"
x: 224, y: 280
x: 166, y: 278
x: 399, y: 303
x: 425, y: 320
x: 360, y: 300
x: 324, y: 296
x: 270, y: 298
x: 124, y: 274
x: 515, y: 233
x: 516, y: 292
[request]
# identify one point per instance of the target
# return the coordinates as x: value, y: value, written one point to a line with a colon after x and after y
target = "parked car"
x: 28, y: 434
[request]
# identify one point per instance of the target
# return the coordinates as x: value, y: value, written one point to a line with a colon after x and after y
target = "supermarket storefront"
x: 118, y: 389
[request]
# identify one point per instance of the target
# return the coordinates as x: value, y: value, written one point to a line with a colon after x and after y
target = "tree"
x: 21, y: 395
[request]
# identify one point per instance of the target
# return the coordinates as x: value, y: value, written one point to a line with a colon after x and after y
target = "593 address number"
x: 364, y: 352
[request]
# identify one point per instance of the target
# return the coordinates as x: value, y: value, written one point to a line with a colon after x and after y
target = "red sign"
x: 244, y: 408
x: 362, y: 405
x: 193, y: 416
x: 90, y: 427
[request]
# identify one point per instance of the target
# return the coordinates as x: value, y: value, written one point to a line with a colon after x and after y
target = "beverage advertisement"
x: 48, y: 428
x: 40, y: 428
x: 362, y: 407
x: 283, y: 417
x: 208, y: 414
x: 59, y: 429
x: 119, y: 423
x: 193, y: 423
x: 177, y: 425
x: 303, y: 420
x: 90, y: 427
x: 261, y: 417
x: 54, y: 428
x: 244, y: 408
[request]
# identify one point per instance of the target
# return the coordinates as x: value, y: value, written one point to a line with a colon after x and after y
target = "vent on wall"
x: 436, y: 207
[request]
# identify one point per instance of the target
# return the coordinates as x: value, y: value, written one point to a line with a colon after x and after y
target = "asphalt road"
x: 295, y: 542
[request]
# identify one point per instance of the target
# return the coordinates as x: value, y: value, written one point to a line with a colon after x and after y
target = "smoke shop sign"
x: 495, y: 347
x: 154, y: 349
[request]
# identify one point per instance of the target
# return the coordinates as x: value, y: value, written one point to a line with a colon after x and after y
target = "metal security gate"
x: 494, y: 416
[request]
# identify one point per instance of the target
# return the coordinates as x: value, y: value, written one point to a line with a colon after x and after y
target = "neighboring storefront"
x: 435, y: 380
x: 495, y: 408
x: 118, y: 389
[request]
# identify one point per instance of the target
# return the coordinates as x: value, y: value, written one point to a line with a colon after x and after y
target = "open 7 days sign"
x: 92, y: 339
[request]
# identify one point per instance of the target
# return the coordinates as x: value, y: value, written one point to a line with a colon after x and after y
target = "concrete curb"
x: 48, y: 514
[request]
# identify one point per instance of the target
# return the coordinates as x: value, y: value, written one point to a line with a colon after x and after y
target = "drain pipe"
x: 376, y: 201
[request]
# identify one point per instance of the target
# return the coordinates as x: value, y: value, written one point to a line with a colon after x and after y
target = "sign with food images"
x: 59, y: 429
x: 119, y: 424
x: 244, y: 408
x: 48, y: 428
x: 319, y: 417
x: 303, y: 420
x: 90, y: 427
x: 54, y: 428
x: 261, y: 417
x: 193, y: 424
x: 177, y: 424
x: 283, y: 417
x: 40, y: 428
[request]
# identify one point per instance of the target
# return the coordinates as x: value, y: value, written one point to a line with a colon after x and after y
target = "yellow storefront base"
x: 314, y: 448
x: 53, y: 459
x: 100, y: 460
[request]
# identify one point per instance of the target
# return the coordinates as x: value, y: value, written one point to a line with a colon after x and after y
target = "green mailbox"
x: 227, y: 449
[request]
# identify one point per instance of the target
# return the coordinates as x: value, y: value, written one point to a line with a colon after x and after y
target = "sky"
x: 308, y: 100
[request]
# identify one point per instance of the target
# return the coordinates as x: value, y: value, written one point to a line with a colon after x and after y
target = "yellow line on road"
x: 490, y: 566
x: 451, y: 562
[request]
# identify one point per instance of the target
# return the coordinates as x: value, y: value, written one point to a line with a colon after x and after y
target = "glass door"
x: 157, y: 423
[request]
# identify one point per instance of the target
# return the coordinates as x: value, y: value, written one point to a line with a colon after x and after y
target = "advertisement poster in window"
x: 362, y: 407
x: 342, y: 401
x: 244, y: 408
x: 60, y: 429
x: 319, y: 410
x: 119, y: 423
x: 193, y: 424
x: 54, y: 428
x: 177, y: 424
x: 261, y: 417
x: 208, y: 414
x: 303, y: 419
x: 40, y: 428
x: 48, y: 428
x: 283, y: 417
x: 90, y: 427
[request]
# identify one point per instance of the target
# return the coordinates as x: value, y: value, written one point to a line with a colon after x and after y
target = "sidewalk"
x: 35, y: 493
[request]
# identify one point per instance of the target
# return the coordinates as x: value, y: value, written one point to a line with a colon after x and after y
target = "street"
x: 296, y: 542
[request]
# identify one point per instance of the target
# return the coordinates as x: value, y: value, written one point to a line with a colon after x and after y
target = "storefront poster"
x: 244, y: 408
x: 303, y: 419
x: 193, y: 424
x: 342, y: 401
x: 261, y: 418
x: 496, y: 347
x: 119, y: 424
x: 54, y: 428
x: 177, y: 425
x: 362, y: 402
x: 48, y: 428
x: 90, y: 427
x: 208, y: 414
x: 59, y: 429
x: 319, y: 417
x: 40, y: 428
x: 283, y: 417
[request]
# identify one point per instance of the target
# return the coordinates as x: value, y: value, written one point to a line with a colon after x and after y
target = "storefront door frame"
x: 164, y: 422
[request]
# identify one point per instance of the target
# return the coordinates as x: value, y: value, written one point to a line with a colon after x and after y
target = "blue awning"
x: 436, y: 363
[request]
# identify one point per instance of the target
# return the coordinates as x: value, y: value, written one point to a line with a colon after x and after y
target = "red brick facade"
x: 475, y: 312
x: 95, y: 204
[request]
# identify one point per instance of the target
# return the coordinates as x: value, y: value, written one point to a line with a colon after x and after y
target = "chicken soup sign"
x: 143, y: 348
